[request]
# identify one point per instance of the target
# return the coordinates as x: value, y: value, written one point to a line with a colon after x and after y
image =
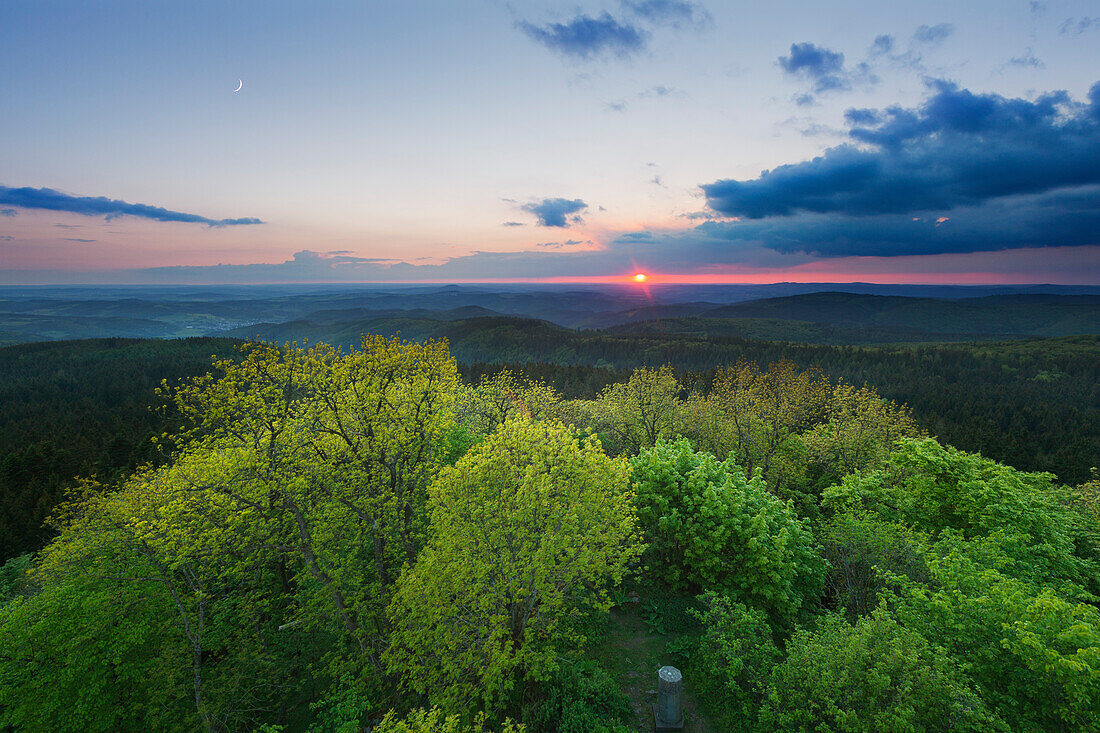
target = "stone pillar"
x: 668, y: 713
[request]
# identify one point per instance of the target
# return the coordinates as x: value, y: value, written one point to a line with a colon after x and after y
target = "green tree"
x: 259, y: 562
x: 766, y: 410
x: 865, y: 555
x: 636, y: 413
x: 502, y: 395
x: 526, y: 528
x: 932, y: 488
x: 734, y: 657
x: 873, y: 676
x: 708, y: 527
x: 1035, y: 656
x: 859, y: 431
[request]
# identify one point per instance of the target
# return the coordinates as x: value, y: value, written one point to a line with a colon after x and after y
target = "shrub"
x: 734, y: 659
x: 708, y: 527
x: 581, y: 698
x: 875, y: 676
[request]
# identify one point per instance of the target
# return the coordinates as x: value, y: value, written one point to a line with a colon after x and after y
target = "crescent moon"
x: 240, y: 84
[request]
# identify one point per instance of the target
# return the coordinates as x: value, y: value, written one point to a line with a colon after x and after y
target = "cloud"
x: 925, y: 38
x: 1077, y: 26
x: 566, y: 244
x: 51, y: 200
x: 932, y: 35
x: 822, y: 66
x: 74, y: 239
x: 1052, y: 219
x: 616, y: 106
x: 513, y: 224
x: 883, y: 44
x: 824, y: 69
x: 554, y: 212
x: 959, y: 148
x: 669, y: 12
x: 8, y: 212
x: 585, y: 37
x: 660, y: 90
x: 7, y: 238
x: 1026, y: 60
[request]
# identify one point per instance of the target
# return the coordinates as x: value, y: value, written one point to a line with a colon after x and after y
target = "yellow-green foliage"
x: 764, y: 410
x: 503, y: 395
x: 636, y: 413
x: 291, y: 505
x: 859, y: 430
x: 527, y: 527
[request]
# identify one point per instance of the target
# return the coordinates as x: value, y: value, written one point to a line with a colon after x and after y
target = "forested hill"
x: 820, y: 316
x: 1031, y: 315
x: 82, y: 407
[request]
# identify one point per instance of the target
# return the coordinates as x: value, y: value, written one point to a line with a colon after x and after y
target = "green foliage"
x: 935, y: 488
x: 502, y: 395
x: 257, y: 565
x: 734, y: 659
x: 87, y: 655
x: 764, y: 411
x: 80, y: 408
x: 859, y: 431
x: 667, y: 612
x: 873, y: 676
x: 524, y: 529
x: 435, y: 721
x: 580, y: 698
x: 710, y: 528
x: 328, y: 517
x: 13, y: 578
x: 635, y: 414
x: 1035, y: 656
x: 865, y: 555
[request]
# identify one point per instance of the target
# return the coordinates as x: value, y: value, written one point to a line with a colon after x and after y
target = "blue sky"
x: 922, y: 142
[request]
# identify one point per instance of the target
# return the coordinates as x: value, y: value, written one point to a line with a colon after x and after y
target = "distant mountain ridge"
x: 831, y: 317
x: 1003, y: 315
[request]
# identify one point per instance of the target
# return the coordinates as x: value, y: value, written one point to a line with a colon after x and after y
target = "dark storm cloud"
x: 586, y: 37
x: 1053, y: 219
x: 959, y: 148
x: 51, y: 200
x: 556, y: 212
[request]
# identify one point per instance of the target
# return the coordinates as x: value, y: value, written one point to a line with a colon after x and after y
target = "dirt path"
x: 633, y: 655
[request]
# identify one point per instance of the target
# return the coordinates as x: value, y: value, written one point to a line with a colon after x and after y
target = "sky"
x: 470, y: 141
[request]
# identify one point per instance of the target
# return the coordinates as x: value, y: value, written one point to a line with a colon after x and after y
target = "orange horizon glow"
x: 640, y: 277
x: 968, y: 278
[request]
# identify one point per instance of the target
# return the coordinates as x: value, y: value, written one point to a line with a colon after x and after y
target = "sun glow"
x: 640, y: 277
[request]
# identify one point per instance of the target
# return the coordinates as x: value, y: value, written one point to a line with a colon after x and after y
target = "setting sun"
x: 640, y: 277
